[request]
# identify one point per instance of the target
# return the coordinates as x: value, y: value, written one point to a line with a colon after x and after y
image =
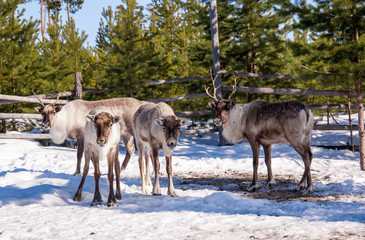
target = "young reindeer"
x: 264, y: 123
x: 102, y: 134
x: 157, y: 127
x: 68, y: 122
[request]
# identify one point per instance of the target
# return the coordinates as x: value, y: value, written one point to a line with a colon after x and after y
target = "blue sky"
x: 86, y: 19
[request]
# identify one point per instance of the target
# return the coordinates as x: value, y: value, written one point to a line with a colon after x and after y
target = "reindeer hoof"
x: 77, y: 174
x: 118, y: 196
x: 172, y: 193
x: 156, y: 191
x: 112, y: 204
x: 271, y: 184
x: 301, y: 186
x: 309, y: 190
x: 96, y: 203
x: 77, y: 197
x: 253, y: 188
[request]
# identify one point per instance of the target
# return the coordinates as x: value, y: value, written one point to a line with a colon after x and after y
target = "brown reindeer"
x: 102, y: 134
x: 157, y: 127
x: 264, y: 123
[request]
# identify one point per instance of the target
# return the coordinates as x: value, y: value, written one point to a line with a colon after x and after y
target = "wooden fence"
x: 49, y: 99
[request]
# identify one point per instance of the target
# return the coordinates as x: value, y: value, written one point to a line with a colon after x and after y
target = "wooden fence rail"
x: 320, y: 127
x: 285, y: 91
x: 7, y: 99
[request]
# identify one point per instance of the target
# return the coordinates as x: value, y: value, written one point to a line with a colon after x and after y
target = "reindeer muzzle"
x: 172, y: 144
x: 101, y: 142
x: 218, y: 122
x: 45, y: 126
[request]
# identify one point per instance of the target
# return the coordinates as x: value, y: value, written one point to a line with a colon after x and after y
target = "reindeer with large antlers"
x: 264, y: 123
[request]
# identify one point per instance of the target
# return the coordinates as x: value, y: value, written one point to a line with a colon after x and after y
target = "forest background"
x: 322, y: 44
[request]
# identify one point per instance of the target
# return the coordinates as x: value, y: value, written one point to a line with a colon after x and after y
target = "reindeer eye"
x: 178, y: 129
x: 110, y: 124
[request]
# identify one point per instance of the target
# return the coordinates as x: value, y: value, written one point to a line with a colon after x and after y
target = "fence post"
x: 78, y: 85
x: 216, y: 62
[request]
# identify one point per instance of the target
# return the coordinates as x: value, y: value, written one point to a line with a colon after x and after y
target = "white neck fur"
x: 234, y: 127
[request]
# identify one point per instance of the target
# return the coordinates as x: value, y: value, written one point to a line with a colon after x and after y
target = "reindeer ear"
x: 90, y: 118
x: 116, y: 119
x: 58, y: 108
x: 159, y: 121
x: 232, y: 103
x: 212, y: 105
x: 183, y: 121
x: 38, y: 109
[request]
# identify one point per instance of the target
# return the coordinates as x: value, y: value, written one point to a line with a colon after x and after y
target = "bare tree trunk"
x: 78, y: 85
x: 49, y: 16
x: 360, y: 110
x: 350, y: 123
x: 45, y: 16
x: 42, y: 21
x: 359, y: 105
x: 216, y: 62
x: 68, y: 11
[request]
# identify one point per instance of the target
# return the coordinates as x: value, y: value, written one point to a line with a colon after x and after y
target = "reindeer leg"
x: 78, y: 194
x: 171, y: 191
x: 306, y: 181
x: 111, y: 198
x: 255, y: 146
x: 270, y: 179
x: 147, y: 157
x: 140, y: 147
x: 129, y: 147
x: 310, y: 188
x: 118, y: 195
x: 156, y: 165
x: 97, y: 200
x: 80, y: 151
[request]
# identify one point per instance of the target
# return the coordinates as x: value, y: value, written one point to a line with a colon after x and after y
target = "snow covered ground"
x: 37, y: 187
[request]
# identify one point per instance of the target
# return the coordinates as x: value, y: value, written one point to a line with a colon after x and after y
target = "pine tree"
x: 122, y: 45
x: 253, y: 35
x: 337, y: 45
x: 17, y: 49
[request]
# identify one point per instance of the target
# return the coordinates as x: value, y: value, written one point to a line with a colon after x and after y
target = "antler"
x: 58, y: 98
x: 234, y: 87
x: 214, y: 88
x: 40, y: 101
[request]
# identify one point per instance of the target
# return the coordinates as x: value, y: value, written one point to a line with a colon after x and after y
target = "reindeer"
x: 264, y: 123
x: 157, y: 127
x: 102, y: 134
x: 69, y: 122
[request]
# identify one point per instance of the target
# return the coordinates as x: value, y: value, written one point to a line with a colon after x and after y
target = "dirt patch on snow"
x: 285, y: 190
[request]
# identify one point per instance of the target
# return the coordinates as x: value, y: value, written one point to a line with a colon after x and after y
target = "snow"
x: 37, y: 187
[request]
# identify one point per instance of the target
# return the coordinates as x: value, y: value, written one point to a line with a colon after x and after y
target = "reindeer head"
x: 222, y: 106
x: 171, y: 128
x: 103, y: 123
x: 221, y: 110
x: 48, y: 112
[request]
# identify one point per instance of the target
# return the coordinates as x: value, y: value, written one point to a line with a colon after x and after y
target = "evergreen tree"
x: 17, y: 49
x: 255, y: 43
x: 122, y: 47
x: 336, y: 46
